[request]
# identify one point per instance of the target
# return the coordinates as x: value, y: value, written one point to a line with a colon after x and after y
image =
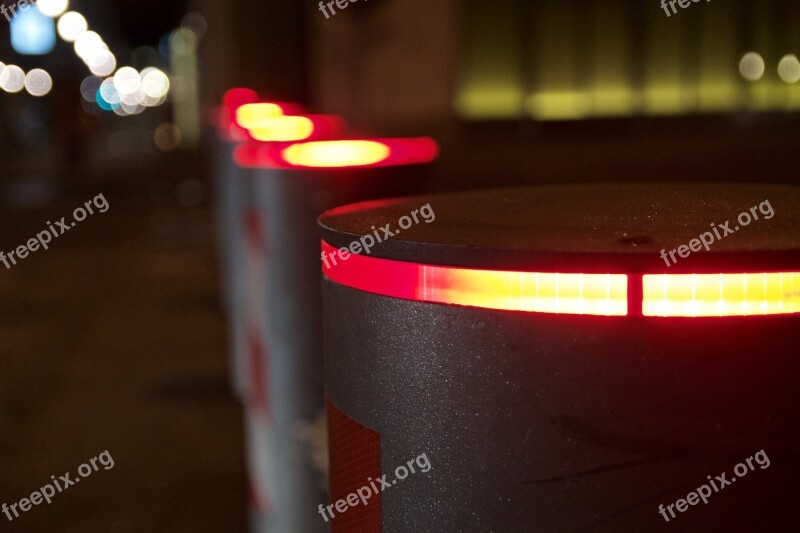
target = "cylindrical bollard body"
x: 230, y: 193
x: 534, y: 348
x: 288, y: 202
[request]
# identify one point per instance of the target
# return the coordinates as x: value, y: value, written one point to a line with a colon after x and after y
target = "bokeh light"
x: 71, y: 25
x: 52, y: 8
x: 131, y: 108
x: 752, y: 66
x: 12, y: 79
x: 125, y: 90
x: 155, y: 84
x: 167, y: 136
x: 108, y: 94
x: 88, y: 44
x: 38, y: 82
x: 183, y: 42
x: 127, y: 80
x: 102, y: 63
x: 789, y: 69
x: 32, y: 33
x: 89, y: 87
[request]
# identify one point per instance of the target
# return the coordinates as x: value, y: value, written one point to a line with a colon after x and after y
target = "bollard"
x: 293, y: 185
x: 554, y: 372
x: 241, y: 109
x: 230, y: 193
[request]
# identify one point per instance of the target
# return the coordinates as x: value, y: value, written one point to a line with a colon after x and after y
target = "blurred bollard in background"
x: 292, y: 185
x: 230, y: 200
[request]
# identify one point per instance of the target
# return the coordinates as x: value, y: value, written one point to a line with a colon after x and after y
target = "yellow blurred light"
x: 789, y: 69
x: 489, y: 102
x: 720, y: 96
x: 692, y: 295
x: 283, y: 129
x: 752, y: 66
x: 336, y: 153
x: 251, y: 116
x: 662, y: 99
x: 613, y: 101
x: 560, y: 105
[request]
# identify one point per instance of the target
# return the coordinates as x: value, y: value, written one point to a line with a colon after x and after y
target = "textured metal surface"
x: 560, y: 423
x: 584, y: 227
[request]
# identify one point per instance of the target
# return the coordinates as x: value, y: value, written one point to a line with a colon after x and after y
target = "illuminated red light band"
x: 710, y: 295
x: 342, y: 153
x: 233, y: 100
x: 542, y: 292
x: 294, y: 128
x: 236, y: 98
x: 249, y: 114
x: 690, y: 295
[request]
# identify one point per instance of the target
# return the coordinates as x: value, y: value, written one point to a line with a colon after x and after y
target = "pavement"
x: 113, y: 340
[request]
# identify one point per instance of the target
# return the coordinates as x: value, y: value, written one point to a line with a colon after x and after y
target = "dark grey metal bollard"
x: 594, y: 399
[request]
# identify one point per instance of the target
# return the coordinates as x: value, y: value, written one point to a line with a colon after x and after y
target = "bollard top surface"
x: 585, y: 228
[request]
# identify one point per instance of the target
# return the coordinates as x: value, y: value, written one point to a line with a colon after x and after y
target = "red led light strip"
x: 691, y: 295
x: 544, y: 292
x: 294, y: 128
x: 340, y: 153
x: 225, y: 119
x: 709, y: 295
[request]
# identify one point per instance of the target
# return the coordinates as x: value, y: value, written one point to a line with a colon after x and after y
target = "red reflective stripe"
x: 355, y: 459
